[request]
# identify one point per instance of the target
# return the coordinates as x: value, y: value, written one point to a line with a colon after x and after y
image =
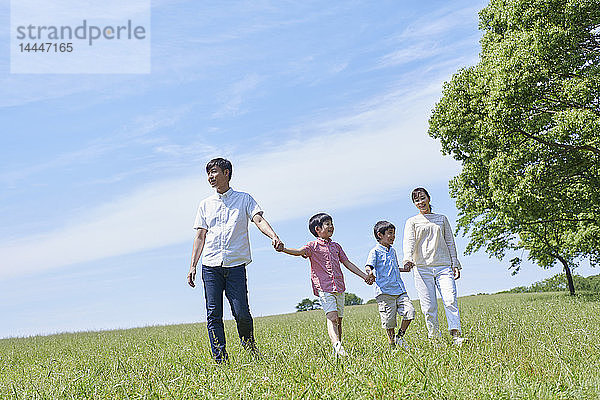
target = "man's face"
x: 217, y: 178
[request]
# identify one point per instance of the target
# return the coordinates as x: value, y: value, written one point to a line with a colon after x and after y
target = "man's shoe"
x: 250, y: 346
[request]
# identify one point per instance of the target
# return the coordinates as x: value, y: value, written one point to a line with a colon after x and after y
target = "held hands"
x: 369, y: 278
x: 408, y: 266
x: 277, y: 244
x: 456, y: 272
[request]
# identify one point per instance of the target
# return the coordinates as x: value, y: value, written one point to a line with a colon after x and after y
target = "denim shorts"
x: 332, y: 302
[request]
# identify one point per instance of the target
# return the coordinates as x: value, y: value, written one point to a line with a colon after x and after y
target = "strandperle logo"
x: 85, y: 31
x: 80, y: 36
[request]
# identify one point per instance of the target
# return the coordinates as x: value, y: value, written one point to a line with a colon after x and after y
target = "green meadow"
x: 521, y: 346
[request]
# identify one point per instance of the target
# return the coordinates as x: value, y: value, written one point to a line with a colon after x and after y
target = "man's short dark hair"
x: 318, y: 220
x: 222, y: 163
x: 381, y: 227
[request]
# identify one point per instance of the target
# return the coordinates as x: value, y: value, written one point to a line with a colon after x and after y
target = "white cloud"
x: 133, y: 133
x: 446, y: 21
x: 234, y: 96
x: 151, y: 217
x: 408, y: 54
x: 362, y: 159
x: 158, y: 119
x: 346, y: 162
x: 424, y: 50
x: 428, y: 37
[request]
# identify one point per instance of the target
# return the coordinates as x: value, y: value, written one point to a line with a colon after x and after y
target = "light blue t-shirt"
x: 387, y: 275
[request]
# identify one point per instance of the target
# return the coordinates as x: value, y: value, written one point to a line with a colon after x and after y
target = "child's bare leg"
x: 391, y: 332
x: 333, y: 326
x: 404, y: 326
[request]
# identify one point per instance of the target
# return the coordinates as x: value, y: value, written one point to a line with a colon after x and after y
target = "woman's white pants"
x: 427, y: 279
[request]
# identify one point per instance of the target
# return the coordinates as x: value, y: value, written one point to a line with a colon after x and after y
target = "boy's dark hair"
x: 317, y: 220
x: 222, y: 163
x: 381, y: 227
x: 415, y: 194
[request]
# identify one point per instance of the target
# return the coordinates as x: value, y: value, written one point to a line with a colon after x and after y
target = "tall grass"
x: 521, y: 346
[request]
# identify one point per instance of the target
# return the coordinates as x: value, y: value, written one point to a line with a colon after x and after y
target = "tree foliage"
x: 308, y: 304
x: 352, y: 300
x: 558, y: 283
x: 525, y: 124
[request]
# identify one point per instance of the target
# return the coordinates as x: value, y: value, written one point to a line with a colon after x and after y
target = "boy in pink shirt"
x: 326, y: 275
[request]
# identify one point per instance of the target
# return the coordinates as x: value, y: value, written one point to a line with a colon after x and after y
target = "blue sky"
x: 321, y: 106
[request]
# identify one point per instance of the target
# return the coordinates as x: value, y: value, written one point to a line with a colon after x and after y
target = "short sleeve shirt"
x: 325, y: 271
x: 225, y: 218
x: 387, y: 274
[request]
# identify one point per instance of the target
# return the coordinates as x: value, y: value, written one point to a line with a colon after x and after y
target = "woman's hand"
x: 456, y: 272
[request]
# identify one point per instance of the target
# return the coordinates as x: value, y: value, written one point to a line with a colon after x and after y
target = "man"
x: 222, y: 233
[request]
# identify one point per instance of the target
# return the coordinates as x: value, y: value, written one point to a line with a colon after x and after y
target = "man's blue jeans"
x: 233, y: 282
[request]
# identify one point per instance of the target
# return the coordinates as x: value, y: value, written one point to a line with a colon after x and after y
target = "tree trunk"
x: 568, y: 274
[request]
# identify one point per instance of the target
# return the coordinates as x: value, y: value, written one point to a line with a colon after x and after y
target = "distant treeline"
x: 307, y: 304
x: 558, y: 283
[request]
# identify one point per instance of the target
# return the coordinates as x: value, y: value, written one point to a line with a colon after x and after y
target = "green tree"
x: 559, y: 283
x: 525, y: 124
x: 352, y: 300
x: 308, y: 304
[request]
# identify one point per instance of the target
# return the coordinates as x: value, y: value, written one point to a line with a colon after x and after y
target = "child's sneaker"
x: 339, y: 350
x: 458, y: 341
x: 401, y: 343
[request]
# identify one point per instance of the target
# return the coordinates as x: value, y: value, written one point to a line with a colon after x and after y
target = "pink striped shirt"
x: 325, y: 272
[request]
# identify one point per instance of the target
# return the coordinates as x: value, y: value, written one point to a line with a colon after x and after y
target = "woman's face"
x: 422, y: 203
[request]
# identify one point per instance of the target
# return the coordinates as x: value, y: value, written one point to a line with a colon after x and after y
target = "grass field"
x: 521, y: 346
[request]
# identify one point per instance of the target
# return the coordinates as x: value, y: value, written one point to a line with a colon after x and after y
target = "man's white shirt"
x: 225, y: 217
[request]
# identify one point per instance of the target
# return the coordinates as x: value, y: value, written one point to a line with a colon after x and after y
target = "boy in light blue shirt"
x: 390, y: 293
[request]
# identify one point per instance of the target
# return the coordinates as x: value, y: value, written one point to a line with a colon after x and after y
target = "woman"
x: 429, y: 247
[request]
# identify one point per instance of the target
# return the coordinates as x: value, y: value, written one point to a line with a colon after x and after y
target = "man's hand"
x: 408, y: 266
x: 192, y: 277
x: 456, y: 272
x: 196, y: 252
x: 277, y: 244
